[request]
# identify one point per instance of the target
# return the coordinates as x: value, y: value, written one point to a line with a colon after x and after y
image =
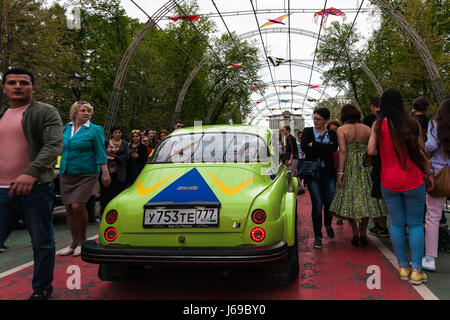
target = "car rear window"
x: 211, y: 147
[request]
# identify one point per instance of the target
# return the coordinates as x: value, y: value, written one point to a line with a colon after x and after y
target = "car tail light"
x: 111, y: 216
x: 258, y: 216
x: 258, y: 234
x: 110, y: 234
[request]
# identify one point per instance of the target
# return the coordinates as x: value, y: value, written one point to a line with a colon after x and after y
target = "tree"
x: 35, y: 37
x: 339, y: 50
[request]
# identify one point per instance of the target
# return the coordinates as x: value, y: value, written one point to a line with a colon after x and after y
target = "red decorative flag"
x: 256, y: 87
x: 234, y: 65
x: 185, y: 18
x: 278, y: 20
x: 326, y: 12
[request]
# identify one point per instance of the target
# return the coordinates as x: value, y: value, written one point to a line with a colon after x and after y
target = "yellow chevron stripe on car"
x: 229, y: 191
x: 143, y: 191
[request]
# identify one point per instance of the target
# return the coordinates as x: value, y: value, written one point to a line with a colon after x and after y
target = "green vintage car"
x: 212, y: 194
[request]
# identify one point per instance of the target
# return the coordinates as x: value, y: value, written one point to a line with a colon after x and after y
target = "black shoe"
x: 375, y: 230
x: 41, y: 295
x: 317, y: 243
x: 383, y: 233
x: 355, y: 241
x: 339, y: 222
x: 4, y: 248
x: 301, y: 192
x: 363, y: 241
x: 330, y: 232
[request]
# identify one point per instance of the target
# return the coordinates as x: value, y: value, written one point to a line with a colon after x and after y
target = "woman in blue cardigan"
x: 82, y: 158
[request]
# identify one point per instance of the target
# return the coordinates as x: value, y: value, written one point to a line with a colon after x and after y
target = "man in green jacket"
x: 30, y: 142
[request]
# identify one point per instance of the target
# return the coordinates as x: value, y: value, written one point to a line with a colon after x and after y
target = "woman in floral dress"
x: 352, y: 199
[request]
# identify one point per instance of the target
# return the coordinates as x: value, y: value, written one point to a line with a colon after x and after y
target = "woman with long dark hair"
x: 438, y: 144
x: 118, y: 152
x: 138, y: 157
x: 404, y: 167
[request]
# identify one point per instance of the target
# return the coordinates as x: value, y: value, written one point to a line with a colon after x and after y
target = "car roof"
x: 261, y: 131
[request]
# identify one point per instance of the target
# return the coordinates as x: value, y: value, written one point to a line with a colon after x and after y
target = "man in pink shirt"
x: 30, y: 140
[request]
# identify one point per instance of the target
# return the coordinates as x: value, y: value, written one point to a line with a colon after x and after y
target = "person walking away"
x: 405, y: 174
x: 292, y: 155
x: 31, y: 132
x: 301, y: 159
x: 319, y: 144
x: 438, y: 144
x: 117, y: 152
x: 83, y: 156
x: 352, y: 200
x: 379, y: 229
x: 138, y: 157
x: 334, y: 125
x: 420, y: 106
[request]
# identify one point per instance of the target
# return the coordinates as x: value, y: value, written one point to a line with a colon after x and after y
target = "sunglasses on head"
x: 82, y: 102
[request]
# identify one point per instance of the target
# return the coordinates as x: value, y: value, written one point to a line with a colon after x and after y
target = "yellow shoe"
x: 405, y: 273
x: 418, y: 277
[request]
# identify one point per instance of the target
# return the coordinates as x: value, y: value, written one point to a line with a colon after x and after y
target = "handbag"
x: 367, y: 160
x: 310, y: 169
x: 441, y: 183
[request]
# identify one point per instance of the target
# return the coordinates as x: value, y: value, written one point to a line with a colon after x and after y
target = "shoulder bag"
x: 311, y: 168
x: 441, y: 183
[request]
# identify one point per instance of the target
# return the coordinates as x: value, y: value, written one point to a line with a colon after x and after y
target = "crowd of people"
x: 389, y: 163
x: 34, y: 136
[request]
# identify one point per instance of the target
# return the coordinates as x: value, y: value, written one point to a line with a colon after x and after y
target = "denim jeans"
x: 406, y: 207
x: 321, y: 192
x: 36, y: 210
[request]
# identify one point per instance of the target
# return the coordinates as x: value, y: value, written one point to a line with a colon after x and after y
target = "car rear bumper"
x: 95, y: 253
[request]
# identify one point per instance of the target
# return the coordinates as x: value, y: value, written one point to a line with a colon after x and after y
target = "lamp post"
x: 79, y: 84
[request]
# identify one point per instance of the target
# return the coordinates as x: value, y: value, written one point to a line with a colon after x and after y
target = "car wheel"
x: 112, y: 272
x: 285, y: 271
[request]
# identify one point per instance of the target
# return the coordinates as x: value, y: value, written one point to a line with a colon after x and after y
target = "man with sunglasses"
x: 178, y: 125
x: 31, y: 133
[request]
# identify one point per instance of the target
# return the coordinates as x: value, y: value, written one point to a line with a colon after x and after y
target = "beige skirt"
x: 77, y: 188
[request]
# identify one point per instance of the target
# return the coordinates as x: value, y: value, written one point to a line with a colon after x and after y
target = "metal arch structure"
x: 427, y: 58
x: 115, y: 100
x: 274, y: 103
x: 317, y: 69
x: 315, y: 35
x: 301, y: 83
x: 197, y: 68
x: 187, y: 84
x: 116, y: 95
x: 292, y: 93
x: 228, y: 86
x: 254, y: 33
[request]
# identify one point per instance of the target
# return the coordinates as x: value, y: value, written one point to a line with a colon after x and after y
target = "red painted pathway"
x: 337, y: 271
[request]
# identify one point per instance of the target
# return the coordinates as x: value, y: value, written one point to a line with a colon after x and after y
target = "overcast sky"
x: 276, y: 44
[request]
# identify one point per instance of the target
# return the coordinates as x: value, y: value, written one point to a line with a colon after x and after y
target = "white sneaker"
x: 65, y: 251
x: 428, y: 265
x: 77, y: 251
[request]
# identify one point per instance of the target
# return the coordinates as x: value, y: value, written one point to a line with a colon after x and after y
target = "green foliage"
x: 38, y: 39
x: 392, y: 57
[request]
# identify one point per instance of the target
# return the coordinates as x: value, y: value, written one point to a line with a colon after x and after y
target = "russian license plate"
x: 181, y: 217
